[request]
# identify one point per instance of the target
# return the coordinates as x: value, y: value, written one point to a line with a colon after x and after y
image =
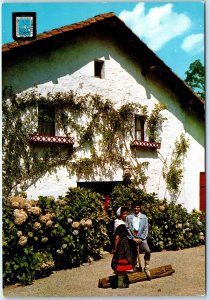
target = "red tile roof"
x: 57, y: 31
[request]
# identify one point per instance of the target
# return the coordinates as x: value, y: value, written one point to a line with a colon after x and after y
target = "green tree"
x: 195, y: 77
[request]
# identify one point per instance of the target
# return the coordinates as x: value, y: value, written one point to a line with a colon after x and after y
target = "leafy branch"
x: 173, y: 173
x: 102, y: 136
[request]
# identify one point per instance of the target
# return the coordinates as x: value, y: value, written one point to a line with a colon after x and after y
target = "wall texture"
x: 71, y: 67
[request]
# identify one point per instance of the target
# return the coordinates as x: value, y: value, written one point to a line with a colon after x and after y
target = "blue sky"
x: 173, y: 30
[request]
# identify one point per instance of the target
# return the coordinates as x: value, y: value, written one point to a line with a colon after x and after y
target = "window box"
x: 51, y: 139
x: 144, y: 144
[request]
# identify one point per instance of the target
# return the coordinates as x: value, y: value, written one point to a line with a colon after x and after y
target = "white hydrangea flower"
x: 49, y: 223
x: 75, y: 232
x: 37, y: 226
x: 35, y: 210
x: 83, y: 222
x: 88, y: 223
x: 75, y: 225
x: 19, y: 233
x: 23, y: 240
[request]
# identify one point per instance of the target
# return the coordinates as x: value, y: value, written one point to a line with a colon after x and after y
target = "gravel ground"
x: 188, y: 279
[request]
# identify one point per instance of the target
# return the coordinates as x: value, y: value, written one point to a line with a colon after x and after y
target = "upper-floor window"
x: 99, y: 68
x: 46, y: 120
x: 139, y: 128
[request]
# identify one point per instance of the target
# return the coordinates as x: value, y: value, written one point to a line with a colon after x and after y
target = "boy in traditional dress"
x: 138, y: 232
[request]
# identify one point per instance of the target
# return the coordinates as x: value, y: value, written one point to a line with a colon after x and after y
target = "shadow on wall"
x: 184, y: 115
x: 48, y: 63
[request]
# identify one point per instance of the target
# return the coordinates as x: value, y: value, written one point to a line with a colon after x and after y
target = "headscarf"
x: 118, y: 222
x: 118, y: 212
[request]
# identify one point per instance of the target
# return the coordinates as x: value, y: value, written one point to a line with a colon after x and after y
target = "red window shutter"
x: 202, y: 191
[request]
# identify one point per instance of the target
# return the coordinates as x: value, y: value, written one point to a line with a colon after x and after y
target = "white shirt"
x: 136, y: 222
x: 118, y: 222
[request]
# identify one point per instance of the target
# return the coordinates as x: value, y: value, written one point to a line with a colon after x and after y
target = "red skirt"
x: 123, y: 265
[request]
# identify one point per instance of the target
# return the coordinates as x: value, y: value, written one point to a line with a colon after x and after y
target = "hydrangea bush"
x: 48, y: 234
x: 53, y: 234
x: 171, y: 226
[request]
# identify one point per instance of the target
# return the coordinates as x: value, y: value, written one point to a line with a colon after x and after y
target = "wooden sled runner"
x: 112, y: 281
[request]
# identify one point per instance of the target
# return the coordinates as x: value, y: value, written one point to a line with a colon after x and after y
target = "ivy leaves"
x: 154, y: 122
x: 173, y: 173
x: 102, y: 133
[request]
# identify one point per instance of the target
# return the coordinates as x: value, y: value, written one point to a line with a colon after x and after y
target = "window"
x: 140, y: 138
x: 139, y: 128
x: 98, y: 68
x: 46, y: 120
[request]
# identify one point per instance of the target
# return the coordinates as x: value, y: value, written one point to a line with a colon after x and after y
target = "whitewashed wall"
x: 72, y: 68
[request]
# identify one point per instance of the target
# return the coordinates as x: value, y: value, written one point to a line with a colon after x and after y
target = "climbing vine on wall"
x: 100, y: 129
x: 154, y: 122
x: 173, y: 172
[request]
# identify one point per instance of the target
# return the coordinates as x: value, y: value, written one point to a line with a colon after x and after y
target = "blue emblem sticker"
x: 24, y: 26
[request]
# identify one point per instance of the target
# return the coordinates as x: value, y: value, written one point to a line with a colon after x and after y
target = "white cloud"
x: 193, y: 43
x: 158, y: 26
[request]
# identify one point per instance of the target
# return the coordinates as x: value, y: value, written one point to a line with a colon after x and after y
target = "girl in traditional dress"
x: 122, y: 261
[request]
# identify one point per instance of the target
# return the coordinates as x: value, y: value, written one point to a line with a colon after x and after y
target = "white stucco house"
x: 103, y: 56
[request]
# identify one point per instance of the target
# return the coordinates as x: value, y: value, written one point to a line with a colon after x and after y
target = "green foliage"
x: 110, y: 126
x: 104, y: 136
x: 18, y: 262
x: 173, y: 173
x: 171, y: 227
x: 195, y: 77
x: 139, y: 177
x: 154, y: 122
x: 174, y: 176
x: 124, y: 196
x: 48, y: 234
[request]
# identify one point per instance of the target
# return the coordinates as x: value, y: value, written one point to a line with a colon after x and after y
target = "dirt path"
x: 188, y: 279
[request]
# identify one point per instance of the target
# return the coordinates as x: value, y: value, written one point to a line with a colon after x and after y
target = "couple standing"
x: 130, y: 237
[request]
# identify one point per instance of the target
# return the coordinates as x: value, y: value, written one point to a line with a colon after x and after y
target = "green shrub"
x: 171, y: 227
x: 48, y: 234
x: 18, y: 262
